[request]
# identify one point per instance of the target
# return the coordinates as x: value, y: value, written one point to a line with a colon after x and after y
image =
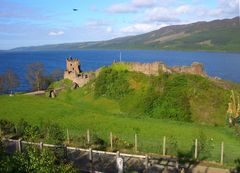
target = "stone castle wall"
x: 196, y: 69
x: 156, y: 67
x: 150, y: 68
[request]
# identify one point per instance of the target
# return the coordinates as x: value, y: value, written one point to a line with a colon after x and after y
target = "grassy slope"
x: 79, y: 110
x: 208, y: 99
x: 222, y: 39
x: 102, y: 116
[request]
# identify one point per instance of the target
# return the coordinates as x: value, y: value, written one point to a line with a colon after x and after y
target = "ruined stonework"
x: 196, y: 69
x: 73, y: 72
x: 156, y: 67
x: 150, y: 68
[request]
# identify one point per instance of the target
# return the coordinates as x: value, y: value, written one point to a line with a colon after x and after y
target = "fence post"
x: 164, y: 145
x: 19, y: 145
x: 118, y: 154
x: 88, y: 136
x: 91, y: 159
x: 146, y: 163
x: 90, y: 154
x: 136, y: 143
x: 222, y: 152
x: 41, y: 146
x: 119, y: 162
x: 177, y: 164
x: 111, y: 140
x: 68, y: 139
x: 196, y: 149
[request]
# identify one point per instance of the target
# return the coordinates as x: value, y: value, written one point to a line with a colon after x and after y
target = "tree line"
x: 36, y: 77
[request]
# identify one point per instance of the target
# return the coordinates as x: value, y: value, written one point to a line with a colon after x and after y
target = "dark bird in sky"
x: 75, y: 9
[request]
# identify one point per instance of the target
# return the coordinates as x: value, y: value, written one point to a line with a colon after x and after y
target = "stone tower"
x: 73, y: 65
x: 73, y: 72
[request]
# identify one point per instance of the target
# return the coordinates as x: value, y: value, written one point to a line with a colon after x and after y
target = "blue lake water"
x: 223, y: 65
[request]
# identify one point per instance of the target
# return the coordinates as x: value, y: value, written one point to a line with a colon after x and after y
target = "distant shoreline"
x: 175, y: 50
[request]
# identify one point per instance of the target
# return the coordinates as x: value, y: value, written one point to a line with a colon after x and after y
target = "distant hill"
x: 217, y: 35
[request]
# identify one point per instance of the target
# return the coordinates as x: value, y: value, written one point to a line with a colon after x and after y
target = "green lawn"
x: 80, y: 111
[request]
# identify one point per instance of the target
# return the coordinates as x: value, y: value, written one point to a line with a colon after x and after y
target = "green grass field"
x: 79, y: 111
x: 126, y: 103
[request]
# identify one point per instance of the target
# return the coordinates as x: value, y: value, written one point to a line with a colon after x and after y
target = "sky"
x: 40, y: 22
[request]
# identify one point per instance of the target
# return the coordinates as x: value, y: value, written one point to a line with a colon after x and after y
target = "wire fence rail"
x: 159, y: 149
x: 90, y: 159
x: 205, y: 149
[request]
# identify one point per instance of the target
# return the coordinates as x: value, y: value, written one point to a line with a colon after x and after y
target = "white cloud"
x: 131, y: 6
x: 141, y: 28
x: 121, y: 8
x: 109, y: 29
x: 224, y: 9
x: 56, y: 33
x: 229, y: 7
x: 143, y: 3
x: 183, y: 9
x: 162, y: 14
x: 95, y: 23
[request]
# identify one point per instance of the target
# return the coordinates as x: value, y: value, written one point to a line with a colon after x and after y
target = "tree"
x: 56, y: 75
x: 35, y: 75
x: 10, y: 80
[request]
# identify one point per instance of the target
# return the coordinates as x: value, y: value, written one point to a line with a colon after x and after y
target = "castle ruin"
x: 156, y: 67
x: 74, y: 73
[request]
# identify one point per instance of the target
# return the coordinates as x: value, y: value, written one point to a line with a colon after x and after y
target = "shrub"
x: 34, y: 160
x: 205, y: 146
x: 31, y: 133
x: 112, y: 83
x: 53, y: 133
x: 119, y: 143
x: 173, y: 102
x: 7, y: 128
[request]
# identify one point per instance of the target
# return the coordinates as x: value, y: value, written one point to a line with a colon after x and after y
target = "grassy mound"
x: 180, y: 107
x: 180, y: 97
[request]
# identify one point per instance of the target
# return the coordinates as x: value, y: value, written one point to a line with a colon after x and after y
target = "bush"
x: 205, y: 146
x: 53, y: 133
x: 119, y: 144
x: 34, y: 160
x: 7, y: 128
x: 112, y: 83
x: 27, y: 132
x: 174, y: 102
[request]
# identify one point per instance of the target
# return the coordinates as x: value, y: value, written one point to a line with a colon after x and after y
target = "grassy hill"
x: 217, y: 35
x: 180, y: 107
x: 180, y: 97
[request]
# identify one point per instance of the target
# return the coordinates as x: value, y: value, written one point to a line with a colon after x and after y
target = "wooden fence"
x: 164, y: 146
x: 144, y: 161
